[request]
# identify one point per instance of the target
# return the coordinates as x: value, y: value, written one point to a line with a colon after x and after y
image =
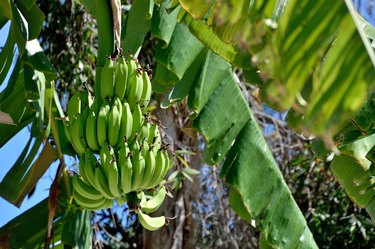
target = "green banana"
x: 121, y: 200
x: 138, y: 163
x: 114, y: 122
x: 154, y: 138
x: 88, y: 203
x: 132, y: 69
x: 82, y: 171
x: 159, y: 169
x: 121, y: 77
x: 101, y: 182
x: 135, y: 87
x: 126, y: 123
x: 117, y: 102
x: 144, y: 131
x: 149, y: 168
x: 137, y: 121
x: 74, y: 106
x: 102, y: 126
x: 150, y: 223
x: 114, y: 178
x: 85, y: 190
x: 76, y: 130
x: 155, y: 202
x: 146, y: 90
x: 165, y: 166
x: 126, y: 169
x: 106, y: 155
x: 89, y: 167
x: 107, y: 80
x: 91, y: 131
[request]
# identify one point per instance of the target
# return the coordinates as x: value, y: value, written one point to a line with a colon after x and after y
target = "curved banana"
x: 85, y: 190
x: 107, y: 80
x: 146, y: 90
x: 74, y: 106
x: 82, y: 171
x: 137, y: 121
x: 114, y: 178
x: 89, y: 167
x: 155, y: 202
x: 138, y: 163
x: 126, y: 123
x: 150, y: 223
x: 126, y: 169
x: 159, y: 169
x: 77, y: 136
x: 91, y: 131
x: 165, y: 166
x: 114, y: 122
x: 102, y: 126
x: 149, y: 168
x: 88, y: 203
x: 101, y: 182
x: 132, y: 69
x: 106, y: 155
x: 121, y: 77
x: 144, y: 130
x: 135, y: 87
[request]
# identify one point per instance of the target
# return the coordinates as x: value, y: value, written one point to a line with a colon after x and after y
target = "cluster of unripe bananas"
x: 120, y: 148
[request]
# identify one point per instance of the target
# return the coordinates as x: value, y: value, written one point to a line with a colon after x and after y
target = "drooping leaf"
x: 163, y: 23
x: 138, y: 24
x: 25, y: 173
x: 13, y: 101
x: 171, y: 67
x: 251, y: 169
x: 262, y: 190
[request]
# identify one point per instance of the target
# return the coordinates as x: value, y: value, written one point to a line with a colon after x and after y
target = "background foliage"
x: 68, y: 40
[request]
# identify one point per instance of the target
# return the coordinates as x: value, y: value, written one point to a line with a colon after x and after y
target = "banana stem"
x: 105, y: 36
x: 116, y: 10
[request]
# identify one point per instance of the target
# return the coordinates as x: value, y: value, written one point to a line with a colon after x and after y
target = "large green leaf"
x: 213, y: 96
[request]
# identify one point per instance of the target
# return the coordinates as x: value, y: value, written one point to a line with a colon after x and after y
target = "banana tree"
x: 312, y: 58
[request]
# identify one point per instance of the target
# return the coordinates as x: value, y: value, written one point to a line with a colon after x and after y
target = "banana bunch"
x: 126, y: 81
x: 120, y: 151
